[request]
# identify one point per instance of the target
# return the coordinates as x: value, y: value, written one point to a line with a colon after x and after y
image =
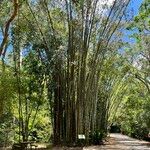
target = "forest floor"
x: 116, y: 142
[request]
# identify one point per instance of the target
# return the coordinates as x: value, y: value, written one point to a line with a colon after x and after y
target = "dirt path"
x: 116, y: 142
x: 121, y: 142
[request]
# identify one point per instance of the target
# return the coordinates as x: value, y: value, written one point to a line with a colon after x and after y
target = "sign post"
x: 81, y: 139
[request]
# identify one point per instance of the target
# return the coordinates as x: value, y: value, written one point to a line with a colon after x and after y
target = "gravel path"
x: 116, y: 142
x: 121, y: 142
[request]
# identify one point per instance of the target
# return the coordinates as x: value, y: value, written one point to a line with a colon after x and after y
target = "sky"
x: 135, y: 5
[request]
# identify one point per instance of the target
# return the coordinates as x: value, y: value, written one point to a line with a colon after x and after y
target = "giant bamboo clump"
x: 89, y: 32
x: 75, y: 37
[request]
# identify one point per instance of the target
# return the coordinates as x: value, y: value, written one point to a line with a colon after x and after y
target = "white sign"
x: 81, y: 136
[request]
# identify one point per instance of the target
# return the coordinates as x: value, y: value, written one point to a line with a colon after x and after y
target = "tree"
x: 5, y: 28
x: 134, y: 109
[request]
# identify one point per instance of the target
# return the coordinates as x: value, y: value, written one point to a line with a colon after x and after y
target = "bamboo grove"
x: 75, y: 43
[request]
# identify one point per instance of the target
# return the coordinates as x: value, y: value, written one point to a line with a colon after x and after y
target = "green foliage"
x: 97, y: 137
x: 133, y: 112
x: 134, y: 109
x: 33, y: 95
x: 7, y: 88
x: 6, y: 129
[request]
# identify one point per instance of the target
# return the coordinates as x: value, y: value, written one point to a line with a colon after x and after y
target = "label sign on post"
x: 81, y: 136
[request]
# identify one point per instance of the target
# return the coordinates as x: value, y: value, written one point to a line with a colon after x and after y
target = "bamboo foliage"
x: 73, y: 39
x: 77, y: 62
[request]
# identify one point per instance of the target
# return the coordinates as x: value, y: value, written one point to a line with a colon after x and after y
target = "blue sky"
x: 135, y: 4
